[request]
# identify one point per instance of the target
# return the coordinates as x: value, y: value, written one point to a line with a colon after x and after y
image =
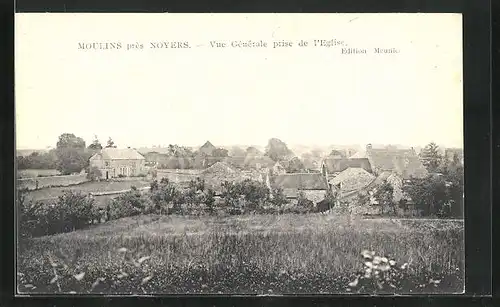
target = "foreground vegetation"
x: 271, y: 254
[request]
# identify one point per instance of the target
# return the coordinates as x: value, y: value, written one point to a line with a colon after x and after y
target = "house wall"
x: 114, y: 168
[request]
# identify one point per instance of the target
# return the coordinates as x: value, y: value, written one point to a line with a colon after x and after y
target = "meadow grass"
x: 87, y: 187
x: 239, y: 254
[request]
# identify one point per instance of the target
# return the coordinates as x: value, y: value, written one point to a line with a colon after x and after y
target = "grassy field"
x: 33, y: 173
x: 87, y: 187
x: 253, y: 254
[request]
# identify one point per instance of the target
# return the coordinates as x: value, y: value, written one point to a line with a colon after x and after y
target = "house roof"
x: 250, y: 161
x: 339, y: 165
x: 118, y: 154
x: 300, y: 181
x: 353, y: 179
x: 358, y: 155
x: 207, y: 147
x: 404, y: 162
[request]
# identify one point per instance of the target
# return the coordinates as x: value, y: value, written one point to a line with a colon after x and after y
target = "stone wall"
x: 52, y: 181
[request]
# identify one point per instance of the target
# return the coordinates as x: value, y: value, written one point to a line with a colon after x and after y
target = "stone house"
x: 249, y: 162
x: 403, y: 162
x: 313, y: 185
x: 115, y: 162
x: 207, y: 148
x: 331, y: 167
x: 351, y: 179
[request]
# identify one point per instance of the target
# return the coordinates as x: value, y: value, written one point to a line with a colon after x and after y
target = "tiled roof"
x: 207, y: 148
x: 300, y: 181
x: 339, y: 165
x: 358, y: 155
x: 249, y: 161
x: 404, y: 162
x: 118, y: 154
x: 353, y: 179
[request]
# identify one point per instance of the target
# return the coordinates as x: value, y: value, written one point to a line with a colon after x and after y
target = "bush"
x: 70, y: 212
x: 164, y: 195
x: 94, y: 174
x: 129, y: 204
x: 304, y: 202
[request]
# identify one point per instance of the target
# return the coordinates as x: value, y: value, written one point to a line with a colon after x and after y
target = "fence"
x: 52, y: 181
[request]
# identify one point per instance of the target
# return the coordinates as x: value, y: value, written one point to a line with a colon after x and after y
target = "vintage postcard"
x: 264, y: 154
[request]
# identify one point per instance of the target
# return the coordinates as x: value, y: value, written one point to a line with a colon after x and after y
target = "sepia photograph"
x: 254, y: 154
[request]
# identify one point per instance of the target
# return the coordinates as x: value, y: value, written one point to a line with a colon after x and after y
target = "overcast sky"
x: 239, y: 96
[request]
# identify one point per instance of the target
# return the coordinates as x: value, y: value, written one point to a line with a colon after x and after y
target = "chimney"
x: 368, y: 146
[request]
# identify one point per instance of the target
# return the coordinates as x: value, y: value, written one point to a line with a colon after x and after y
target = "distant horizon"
x: 309, y: 145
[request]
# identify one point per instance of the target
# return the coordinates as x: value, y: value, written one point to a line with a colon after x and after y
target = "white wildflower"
x: 392, y: 262
x: 354, y: 283
x: 142, y: 259
x: 384, y: 267
x: 146, y: 279
x: 79, y: 276
x: 368, y: 264
x: 53, y: 280
x: 384, y: 259
x: 122, y: 250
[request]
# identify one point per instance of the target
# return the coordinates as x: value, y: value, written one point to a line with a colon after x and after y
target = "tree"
x: 278, y: 198
x: 295, y: 166
x: 455, y: 190
x: 431, y: 158
x: 430, y: 194
x: 111, y: 143
x: 256, y: 194
x: 253, y: 151
x: 70, y: 160
x: 69, y: 140
x: 317, y: 153
x: 304, y: 202
x: 220, y: 152
x: 179, y: 151
x: 337, y: 153
x: 70, y: 153
x: 277, y: 150
x: 385, y: 197
x: 94, y: 174
x: 96, y: 145
x: 210, y: 200
x: 237, y: 152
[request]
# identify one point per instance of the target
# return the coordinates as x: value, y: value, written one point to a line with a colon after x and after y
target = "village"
x: 348, y: 174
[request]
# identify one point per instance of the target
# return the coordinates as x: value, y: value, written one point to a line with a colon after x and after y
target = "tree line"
x: 70, y: 155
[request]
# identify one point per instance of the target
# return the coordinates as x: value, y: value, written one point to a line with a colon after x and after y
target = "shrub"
x: 94, y: 174
x: 430, y: 194
x: 77, y: 210
x: 255, y: 193
x: 70, y: 212
x: 304, y: 202
x: 278, y: 198
x: 129, y: 204
x: 163, y: 195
